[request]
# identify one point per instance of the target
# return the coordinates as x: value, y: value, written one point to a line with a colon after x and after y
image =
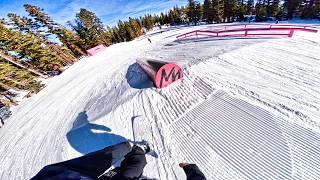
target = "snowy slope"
x: 247, y: 109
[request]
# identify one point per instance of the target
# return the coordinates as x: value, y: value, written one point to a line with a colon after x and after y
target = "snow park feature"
x: 95, y: 50
x: 162, y: 73
x: 271, y: 30
x: 249, y: 108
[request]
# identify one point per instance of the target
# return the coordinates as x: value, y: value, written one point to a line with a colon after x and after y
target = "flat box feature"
x: 95, y: 50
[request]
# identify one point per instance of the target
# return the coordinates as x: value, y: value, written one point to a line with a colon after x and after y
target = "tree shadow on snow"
x: 86, y: 137
x: 137, y: 78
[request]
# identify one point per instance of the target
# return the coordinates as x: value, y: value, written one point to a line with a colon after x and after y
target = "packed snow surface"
x: 248, y: 108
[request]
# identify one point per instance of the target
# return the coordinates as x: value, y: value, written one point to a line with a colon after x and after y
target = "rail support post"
x: 291, y: 33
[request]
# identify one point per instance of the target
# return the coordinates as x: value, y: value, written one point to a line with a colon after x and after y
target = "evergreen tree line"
x: 218, y: 11
x: 28, y: 49
x: 38, y: 45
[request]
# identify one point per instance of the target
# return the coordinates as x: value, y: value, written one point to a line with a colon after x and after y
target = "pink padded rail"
x: 167, y: 74
x: 162, y: 73
x: 273, y: 30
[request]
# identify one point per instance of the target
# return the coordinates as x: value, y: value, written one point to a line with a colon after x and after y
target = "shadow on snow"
x: 137, y: 78
x: 86, y: 137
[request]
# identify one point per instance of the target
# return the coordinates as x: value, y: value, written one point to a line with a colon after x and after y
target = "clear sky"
x: 109, y: 11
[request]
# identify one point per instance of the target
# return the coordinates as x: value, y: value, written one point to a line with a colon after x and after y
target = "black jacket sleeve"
x: 193, y: 172
x: 89, y: 166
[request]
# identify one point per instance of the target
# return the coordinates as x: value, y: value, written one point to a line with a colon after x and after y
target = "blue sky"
x: 110, y: 11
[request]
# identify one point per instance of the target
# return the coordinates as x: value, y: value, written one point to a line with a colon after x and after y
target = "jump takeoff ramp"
x: 162, y: 73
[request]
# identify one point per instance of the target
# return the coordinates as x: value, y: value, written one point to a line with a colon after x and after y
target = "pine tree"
x: 197, y: 12
x: 136, y: 27
x: 237, y: 10
x: 173, y: 16
x: 317, y: 9
x: 272, y: 7
x: 147, y: 22
x: 115, y: 35
x: 68, y: 38
x: 129, y: 34
x: 121, y: 31
x: 161, y: 19
x: 29, y: 49
x: 6, y: 57
x: 191, y: 9
x: 218, y: 7
x: 183, y: 12
x: 12, y: 77
x: 268, y: 7
x: 178, y: 13
x: 250, y: 7
x: 229, y: 11
x: 261, y: 11
x: 275, y: 8
x: 310, y: 9
x: 26, y: 25
x: 90, y: 28
x: 240, y: 10
x: 166, y: 19
x: 194, y: 11
x: 291, y: 7
x: 207, y: 6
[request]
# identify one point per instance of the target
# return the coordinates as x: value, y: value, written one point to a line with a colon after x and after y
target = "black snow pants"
x: 132, y: 166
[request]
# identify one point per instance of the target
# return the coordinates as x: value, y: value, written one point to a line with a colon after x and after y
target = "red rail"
x: 289, y: 31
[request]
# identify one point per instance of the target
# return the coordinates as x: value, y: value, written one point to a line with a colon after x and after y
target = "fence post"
x: 246, y: 33
x: 291, y: 33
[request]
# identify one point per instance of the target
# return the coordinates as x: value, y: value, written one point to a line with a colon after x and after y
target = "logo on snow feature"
x: 171, y: 77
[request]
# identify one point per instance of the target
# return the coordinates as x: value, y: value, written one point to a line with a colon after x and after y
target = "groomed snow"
x: 248, y: 108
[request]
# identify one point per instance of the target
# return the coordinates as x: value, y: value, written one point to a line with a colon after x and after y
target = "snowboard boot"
x: 144, y: 146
